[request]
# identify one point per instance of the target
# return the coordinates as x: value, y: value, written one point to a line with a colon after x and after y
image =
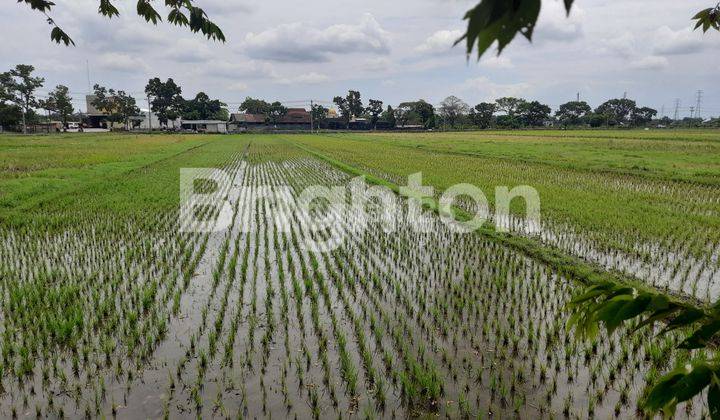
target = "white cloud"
x: 237, y: 87
x: 189, y: 50
x: 635, y: 52
x: 296, y: 42
x: 623, y: 45
x: 377, y: 64
x: 669, y: 42
x: 440, y: 42
x: 490, y: 90
x: 554, y: 24
x: 493, y: 61
x: 650, y: 62
x: 120, y: 62
x: 239, y: 69
x: 311, y: 78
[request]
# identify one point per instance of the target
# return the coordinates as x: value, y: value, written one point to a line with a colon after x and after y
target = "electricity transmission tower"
x: 699, y: 103
x: 677, y: 109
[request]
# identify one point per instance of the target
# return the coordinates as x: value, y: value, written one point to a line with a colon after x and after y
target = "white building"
x: 205, y: 126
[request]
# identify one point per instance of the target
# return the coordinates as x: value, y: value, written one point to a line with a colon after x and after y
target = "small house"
x: 205, y: 126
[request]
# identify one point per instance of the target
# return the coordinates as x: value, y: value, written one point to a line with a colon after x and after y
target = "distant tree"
x: 344, y: 109
x: 452, y: 109
x: 595, y: 120
x: 418, y: 112
x: 204, y: 108
x: 166, y: 99
x: 573, y: 113
x: 374, y: 109
x: 507, y: 121
x: 405, y: 113
x: 11, y: 115
x: 318, y: 113
x: 6, y: 87
x: 181, y: 13
x: 19, y: 89
x: 118, y: 105
x: 666, y: 121
x: 389, y: 117
x: 617, y: 111
x: 642, y: 116
x: 533, y: 114
x: 59, y: 103
x: 276, y: 112
x: 254, y: 106
x: 426, y: 112
x: 509, y: 105
x: 691, y: 122
x: 355, y: 103
x: 483, y: 115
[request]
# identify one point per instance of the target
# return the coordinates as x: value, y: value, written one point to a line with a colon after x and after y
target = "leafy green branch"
x: 181, y: 13
x: 501, y: 20
x: 614, y: 304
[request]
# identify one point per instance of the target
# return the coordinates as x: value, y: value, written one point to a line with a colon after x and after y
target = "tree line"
x: 503, y: 113
x: 19, y: 105
x: 20, y: 102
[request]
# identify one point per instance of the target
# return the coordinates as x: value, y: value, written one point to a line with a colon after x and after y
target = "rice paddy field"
x: 109, y: 309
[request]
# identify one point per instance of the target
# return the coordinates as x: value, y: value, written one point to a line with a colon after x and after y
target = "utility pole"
x: 699, y: 103
x: 87, y: 67
x: 677, y: 109
x: 149, y: 115
x: 312, y: 117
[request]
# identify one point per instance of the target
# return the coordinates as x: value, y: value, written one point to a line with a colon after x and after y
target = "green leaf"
x: 713, y: 398
x: 499, y: 21
x: 60, y: 37
x: 615, y: 311
x: 661, y: 394
x: 693, y: 383
x: 702, y: 336
x: 680, y: 385
x: 176, y: 17
x: 684, y: 319
x: 657, y: 316
x: 590, y: 293
x: 108, y: 9
x: 145, y: 9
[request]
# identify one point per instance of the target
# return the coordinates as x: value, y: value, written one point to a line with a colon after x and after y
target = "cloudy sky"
x: 394, y: 51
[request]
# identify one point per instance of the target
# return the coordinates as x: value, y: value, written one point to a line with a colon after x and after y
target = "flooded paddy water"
x: 248, y: 323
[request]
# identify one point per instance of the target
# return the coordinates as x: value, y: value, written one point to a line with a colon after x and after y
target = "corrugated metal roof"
x: 203, y: 122
x: 293, y: 116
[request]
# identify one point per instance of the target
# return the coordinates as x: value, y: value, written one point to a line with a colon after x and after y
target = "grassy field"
x: 109, y: 309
